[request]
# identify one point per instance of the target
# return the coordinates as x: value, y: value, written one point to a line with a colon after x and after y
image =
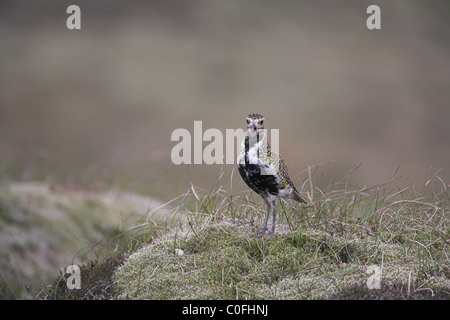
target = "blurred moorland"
x: 95, y: 108
x: 92, y: 110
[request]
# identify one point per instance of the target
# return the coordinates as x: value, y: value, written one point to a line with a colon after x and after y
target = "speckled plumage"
x: 263, y: 169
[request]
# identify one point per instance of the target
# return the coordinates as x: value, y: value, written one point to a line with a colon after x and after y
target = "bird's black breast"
x: 261, y: 184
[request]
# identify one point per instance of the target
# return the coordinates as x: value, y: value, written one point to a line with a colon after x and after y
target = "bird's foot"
x: 262, y: 232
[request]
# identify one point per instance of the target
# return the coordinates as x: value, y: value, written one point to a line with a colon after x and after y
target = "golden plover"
x: 263, y: 169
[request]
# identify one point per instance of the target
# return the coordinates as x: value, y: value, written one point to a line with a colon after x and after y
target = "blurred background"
x: 93, y: 110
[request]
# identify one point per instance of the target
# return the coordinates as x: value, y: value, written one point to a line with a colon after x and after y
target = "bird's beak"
x: 254, y: 128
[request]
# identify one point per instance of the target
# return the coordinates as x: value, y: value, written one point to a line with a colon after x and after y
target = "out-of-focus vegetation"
x: 96, y: 107
x: 327, y: 250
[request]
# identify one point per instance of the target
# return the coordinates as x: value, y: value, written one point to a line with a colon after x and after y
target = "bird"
x: 264, y: 170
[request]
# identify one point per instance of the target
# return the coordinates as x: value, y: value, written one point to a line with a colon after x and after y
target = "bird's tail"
x: 298, y: 197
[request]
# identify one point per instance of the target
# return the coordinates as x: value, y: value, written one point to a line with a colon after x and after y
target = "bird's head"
x: 255, y: 123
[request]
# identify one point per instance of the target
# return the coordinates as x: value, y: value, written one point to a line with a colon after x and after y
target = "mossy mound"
x: 226, y: 260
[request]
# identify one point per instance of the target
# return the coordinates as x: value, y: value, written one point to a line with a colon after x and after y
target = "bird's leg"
x: 274, y: 201
x: 267, y: 217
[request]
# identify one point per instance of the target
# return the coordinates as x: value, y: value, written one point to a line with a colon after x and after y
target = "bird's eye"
x: 248, y: 121
x: 262, y: 121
